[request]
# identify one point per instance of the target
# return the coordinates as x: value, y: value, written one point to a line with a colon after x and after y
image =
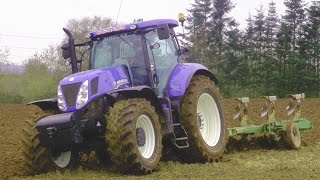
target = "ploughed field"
x: 250, y: 161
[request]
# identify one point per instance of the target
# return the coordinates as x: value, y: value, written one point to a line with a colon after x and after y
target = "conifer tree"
x: 271, y: 28
x: 198, y: 28
x: 221, y: 23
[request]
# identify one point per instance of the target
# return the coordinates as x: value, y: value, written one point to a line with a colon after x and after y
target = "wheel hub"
x: 141, y: 137
x: 145, y: 135
x: 200, y: 121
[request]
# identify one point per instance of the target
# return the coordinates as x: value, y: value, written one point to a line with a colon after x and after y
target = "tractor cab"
x: 148, y: 50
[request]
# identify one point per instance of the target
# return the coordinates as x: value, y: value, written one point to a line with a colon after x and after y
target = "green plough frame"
x: 288, y: 130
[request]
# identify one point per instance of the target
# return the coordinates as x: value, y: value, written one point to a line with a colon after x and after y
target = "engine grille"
x: 94, y: 86
x: 70, y: 92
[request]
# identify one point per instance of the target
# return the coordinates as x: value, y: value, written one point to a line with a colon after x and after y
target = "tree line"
x: 274, y: 55
x: 44, y: 70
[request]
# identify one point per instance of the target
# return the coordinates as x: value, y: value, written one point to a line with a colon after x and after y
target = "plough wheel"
x: 292, y: 136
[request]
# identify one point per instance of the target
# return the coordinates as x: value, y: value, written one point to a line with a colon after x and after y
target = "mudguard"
x: 139, y: 91
x: 46, y: 104
x: 181, y: 76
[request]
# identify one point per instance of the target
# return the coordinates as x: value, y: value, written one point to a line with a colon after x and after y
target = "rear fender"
x: 46, y: 104
x: 181, y: 76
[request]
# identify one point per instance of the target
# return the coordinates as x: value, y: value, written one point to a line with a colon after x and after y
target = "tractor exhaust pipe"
x: 72, y: 51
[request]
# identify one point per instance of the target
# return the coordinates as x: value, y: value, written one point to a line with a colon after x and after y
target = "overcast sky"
x: 29, y: 26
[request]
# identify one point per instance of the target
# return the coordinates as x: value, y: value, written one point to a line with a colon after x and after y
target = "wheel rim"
x: 296, y: 136
x: 63, y: 160
x: 208, y: 119
x: 145, y: 136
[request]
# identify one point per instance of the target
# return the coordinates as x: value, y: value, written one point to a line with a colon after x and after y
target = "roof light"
x: 181, y: 18
x: 133, y: 26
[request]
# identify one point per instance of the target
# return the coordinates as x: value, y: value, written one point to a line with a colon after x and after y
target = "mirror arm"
x: 72, y: 51
x: 87, y: 43
x: 180, y: 35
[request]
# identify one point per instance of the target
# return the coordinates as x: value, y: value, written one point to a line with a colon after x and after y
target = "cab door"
x: 163, y: 54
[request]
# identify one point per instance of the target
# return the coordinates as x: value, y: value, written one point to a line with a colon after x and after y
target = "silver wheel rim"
x: 145, y: 124
x: 63, y: 160
x: 296, y: 136
x: 208, y: 119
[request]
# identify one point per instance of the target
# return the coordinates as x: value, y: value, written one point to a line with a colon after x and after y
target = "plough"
x: 286, y: 130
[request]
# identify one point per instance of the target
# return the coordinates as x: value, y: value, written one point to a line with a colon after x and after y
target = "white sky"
x: 44, y: 18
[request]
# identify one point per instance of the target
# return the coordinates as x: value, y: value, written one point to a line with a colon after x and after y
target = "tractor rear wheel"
x: 133, y: 136
x: 202, y: 117
x: 35, y: 156
x: 292, y: 137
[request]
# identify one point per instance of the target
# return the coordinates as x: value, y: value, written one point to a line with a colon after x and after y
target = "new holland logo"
x: 120, y: 82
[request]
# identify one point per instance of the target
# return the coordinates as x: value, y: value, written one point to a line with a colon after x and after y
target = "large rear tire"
x: 202, y: 117
x: 133, y: 136
x: 35, y: 156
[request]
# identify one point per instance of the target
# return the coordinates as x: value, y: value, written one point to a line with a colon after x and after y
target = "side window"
x: 164, y: 54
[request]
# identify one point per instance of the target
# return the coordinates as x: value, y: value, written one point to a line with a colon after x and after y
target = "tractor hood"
x: 77, y: 90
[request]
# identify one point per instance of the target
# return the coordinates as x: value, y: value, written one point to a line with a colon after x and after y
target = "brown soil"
x: 12, y: 121
x: 11, y: 124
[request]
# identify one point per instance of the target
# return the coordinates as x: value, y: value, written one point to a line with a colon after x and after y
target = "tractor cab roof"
x: 132, y: 27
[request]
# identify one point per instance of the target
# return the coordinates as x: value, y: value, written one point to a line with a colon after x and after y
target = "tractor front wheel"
x: 133, y: 136
x: 202, y: 117
x: 65, y: 160
x: 35, y: 156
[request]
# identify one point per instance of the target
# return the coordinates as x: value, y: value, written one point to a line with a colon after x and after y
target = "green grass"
x: 250, y: 164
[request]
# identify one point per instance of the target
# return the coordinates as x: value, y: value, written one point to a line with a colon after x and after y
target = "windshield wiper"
x: 125, y: 41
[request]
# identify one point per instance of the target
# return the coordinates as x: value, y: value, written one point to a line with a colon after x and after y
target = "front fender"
x: 136, y: 91
x: 181, y: 76
x: 46, y: 104
x: 139, y: 92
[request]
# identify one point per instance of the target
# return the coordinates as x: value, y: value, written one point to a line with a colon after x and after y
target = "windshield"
x: 115, y: 50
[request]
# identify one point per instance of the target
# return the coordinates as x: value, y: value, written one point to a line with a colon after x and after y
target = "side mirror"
x: 66, y: 51
x: 163, y: 31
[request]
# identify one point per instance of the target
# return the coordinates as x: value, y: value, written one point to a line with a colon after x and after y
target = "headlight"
x: 61, y: 102
x: 82, y: 97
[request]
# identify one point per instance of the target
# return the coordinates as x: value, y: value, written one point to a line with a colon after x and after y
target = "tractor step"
x: 181, y: 144
x: 180, y: 138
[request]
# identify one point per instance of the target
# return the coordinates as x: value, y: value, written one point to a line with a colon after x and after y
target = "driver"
x: 137, y: 64
x: 137, y: 60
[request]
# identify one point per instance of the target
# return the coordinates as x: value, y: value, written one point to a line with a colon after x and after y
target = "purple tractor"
x: 136, y: 98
